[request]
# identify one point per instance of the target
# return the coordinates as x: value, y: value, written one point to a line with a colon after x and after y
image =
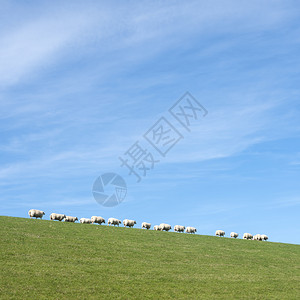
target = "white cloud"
x: 52, y: 34
x: 36, y: 43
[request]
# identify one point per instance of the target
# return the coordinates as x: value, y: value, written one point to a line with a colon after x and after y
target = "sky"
x: 82, y: 81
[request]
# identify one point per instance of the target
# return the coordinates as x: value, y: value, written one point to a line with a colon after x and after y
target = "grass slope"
x: 47, y: 259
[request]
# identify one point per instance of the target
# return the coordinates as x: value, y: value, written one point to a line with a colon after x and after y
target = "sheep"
x: 146, y: 225
x: 71, y: 219
x: 165, y: 227
x: 234, y: 235
x: 247, y: 236
x: 85, y: 221
x: 58, y: 217
x: 113, y: 221
x: 98, y: 220
x: 35, y: 213
x: 129, y: 223
x: 220, y: 233
x: 156, y: 227
x: 179, y: 228
x: 264, y: 237
x: 190, y: 229
x: 257, y: 237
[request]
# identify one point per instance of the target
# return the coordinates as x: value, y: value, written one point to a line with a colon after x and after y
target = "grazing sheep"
x: 165, y: 227
x: 113, y: 221
x: 179, y: 228
x: 35, y: 213
x: 247, y: 236
x: 220, y: 233
x: 257, y: 237
x: 146, y: 225
x: 85, y: 221
x: 156, y: 227
x: 71, y: 219
x: 129, y: 223
x: 234, y: 235
x: 191, y: 230
x: 264, y: 237
x: 98, y: 220
x: 58, y: 217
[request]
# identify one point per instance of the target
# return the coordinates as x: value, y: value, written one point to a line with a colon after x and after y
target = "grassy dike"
x: 50, y: 260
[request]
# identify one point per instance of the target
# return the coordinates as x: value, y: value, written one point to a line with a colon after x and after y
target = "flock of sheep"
x: 35, y: 213
x: 246, y: 236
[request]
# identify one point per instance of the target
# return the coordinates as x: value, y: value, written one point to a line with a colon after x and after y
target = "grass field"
x: 47, y: 259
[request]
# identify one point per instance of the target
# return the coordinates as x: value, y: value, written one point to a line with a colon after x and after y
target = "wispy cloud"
x: 54, y: 34
x: 282, y: 203
x: 37, y: 43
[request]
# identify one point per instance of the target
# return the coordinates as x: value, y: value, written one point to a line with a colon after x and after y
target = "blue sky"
x: 81, y: 81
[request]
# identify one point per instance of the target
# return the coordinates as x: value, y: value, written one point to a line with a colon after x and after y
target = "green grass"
x: 47, y: 259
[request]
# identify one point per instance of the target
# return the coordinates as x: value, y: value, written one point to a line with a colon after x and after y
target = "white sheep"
x: 190, y: 229
x: 113, y: 221
x: 129, y: 223
x: 156, y: 227
x: 58, y: 217
x: 257, y: 237
x: 264, y: 237
x: 234, y: 235
x: 85, y: 221
x: 146, y: 225
x: 179, y: 228
x: 164, y: 226
x: 70, y: 219
x: 98, y: 220
x: 247, y: 236
x: 220, y: 233
x: 35, y: 213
